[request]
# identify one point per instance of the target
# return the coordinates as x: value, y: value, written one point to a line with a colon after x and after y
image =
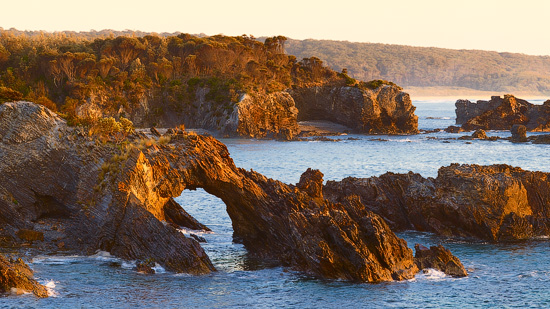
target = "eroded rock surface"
x: 502, y: 113
x: 17, y: 277
x: 496, y: 203
x: 84, y: 196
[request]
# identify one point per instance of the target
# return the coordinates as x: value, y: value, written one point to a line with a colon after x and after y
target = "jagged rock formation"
x: 496, y: 203
x: 519, y: 133
x: 81, y: 196
x: 502, y: 113
x: 16, y: 276
x: 437, y: 257
x: 384, y: 110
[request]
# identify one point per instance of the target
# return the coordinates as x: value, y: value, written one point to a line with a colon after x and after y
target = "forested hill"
x: 429, y: 66
x: 151, y: 77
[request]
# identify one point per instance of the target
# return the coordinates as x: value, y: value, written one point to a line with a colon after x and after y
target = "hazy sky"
x: 505, y: 25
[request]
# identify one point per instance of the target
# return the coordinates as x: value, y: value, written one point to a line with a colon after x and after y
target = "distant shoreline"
x: 455, y: 93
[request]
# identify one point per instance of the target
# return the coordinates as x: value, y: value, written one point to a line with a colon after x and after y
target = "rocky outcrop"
x: 85, y: 197
x: 384, y: 110
x: 502, y: 113
x: 519, y: 134
x: 439, y: 258
x: 496, y: 203
x: 304, y: 231
x: 16, y: 277
x: 265, y: 116
x: 81, y: 195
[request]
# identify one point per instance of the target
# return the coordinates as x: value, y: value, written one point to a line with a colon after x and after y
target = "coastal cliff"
x: 495, y: 203
x: 382, y: 110
x: 502, y: 113
x: 72, y: 193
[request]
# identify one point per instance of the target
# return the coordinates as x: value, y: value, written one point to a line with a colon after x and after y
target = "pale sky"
x: 505, y: 25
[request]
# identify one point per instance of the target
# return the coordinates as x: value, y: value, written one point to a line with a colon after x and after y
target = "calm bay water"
x: 511, y: 275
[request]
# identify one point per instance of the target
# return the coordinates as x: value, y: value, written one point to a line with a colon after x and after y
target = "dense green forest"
x: 66, y: 70
x: 429, y: 66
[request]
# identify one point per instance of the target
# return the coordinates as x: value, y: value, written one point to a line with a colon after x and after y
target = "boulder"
x: 439, y: 258
x: 454, y: 129
x: 479, y: 134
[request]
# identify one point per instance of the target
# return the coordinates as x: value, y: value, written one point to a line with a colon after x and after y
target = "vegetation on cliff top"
x: 65, y: 71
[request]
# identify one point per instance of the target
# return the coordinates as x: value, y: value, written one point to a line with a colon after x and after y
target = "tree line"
x: 430, y: 66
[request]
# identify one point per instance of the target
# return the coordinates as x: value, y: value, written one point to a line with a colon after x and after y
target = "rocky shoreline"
x: 71, y: 194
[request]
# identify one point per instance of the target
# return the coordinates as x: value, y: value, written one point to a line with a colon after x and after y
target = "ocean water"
x: 501, y: 275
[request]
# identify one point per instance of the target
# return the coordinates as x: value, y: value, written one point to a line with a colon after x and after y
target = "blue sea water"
x: 501, y: 275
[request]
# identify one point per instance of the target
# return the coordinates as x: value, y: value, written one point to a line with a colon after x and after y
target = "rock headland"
x: 495, y: 203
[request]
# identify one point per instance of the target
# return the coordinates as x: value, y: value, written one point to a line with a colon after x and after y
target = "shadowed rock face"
x: 83, y: 196
x: 502, y: 113
x: 496, y: 203
x: 437, y: 257
x: 385, y: 110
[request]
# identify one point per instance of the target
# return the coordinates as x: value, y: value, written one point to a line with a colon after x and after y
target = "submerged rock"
x: 16, y: 276
x: 439, y: 258
x: 145, y: 267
